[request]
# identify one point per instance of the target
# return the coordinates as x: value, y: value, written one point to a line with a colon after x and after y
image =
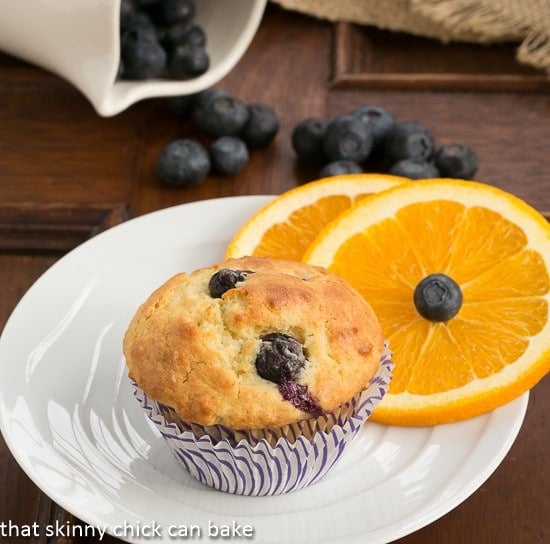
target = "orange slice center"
x: 502, y: 281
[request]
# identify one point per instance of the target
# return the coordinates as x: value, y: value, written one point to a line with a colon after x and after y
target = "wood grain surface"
x: 66, y: 174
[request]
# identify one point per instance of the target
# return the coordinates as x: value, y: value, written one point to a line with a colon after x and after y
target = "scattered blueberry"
x: 221, y: 115
x: 261, y: 127
x: 347, y: 138
x: 204, y: 98
x: 280, y: 358
x: 438, y: 297
x: 380, y: 120
x: 300, y: 397
x: 409, y: 140
x: 307, y: 139
x: 234, y: 126
x: 414, y: 169
x: 353, y: 143
x: 338, y: 168
x: 225, y: 279
x: 187, y: 61
x: 400, y: 148
x: 228, y: 155
x: 183, y: 163
x: 456, y: 160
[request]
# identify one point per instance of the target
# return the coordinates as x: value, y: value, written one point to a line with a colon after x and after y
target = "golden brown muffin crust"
x: 197, y: 353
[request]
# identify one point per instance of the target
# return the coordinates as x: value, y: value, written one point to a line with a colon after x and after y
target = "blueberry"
x: 300, y: 397
x: 347, y: 138
x: 261, y: 127
x: 195, y: 35
x: 205, y: 98
x: 127, y: 12
x: 184, y: 33
x: 183, y: 163
x: 456, y: 160
x: 142, y: 54
x: 280, y: 357
x: 137, y: 20
x: 225, y: 279
x: 380, y: 120
x: 228, y: 155
x: 178, y: 11
x: 188, y: 61
x: 307, y: 139
x: 338, y: 168
x: 220, y: 114
x: 409, y: 140
x: 438, y: 297
x: 414, y: 169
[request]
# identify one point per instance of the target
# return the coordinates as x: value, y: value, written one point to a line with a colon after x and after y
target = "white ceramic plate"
x: 68, y: 417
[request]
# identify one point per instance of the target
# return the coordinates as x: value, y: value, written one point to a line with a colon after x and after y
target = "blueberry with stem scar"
x: 280, y: 357
x: 456, y: 160
x: 347, y: 138
x: 408, y: 140
x: 225, y: 279
x: 438, y: 298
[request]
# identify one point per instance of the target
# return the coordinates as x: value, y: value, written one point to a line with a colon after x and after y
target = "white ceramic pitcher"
x: 79, y: 40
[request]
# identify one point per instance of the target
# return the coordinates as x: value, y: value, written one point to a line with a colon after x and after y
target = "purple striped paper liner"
x: 265, y: 462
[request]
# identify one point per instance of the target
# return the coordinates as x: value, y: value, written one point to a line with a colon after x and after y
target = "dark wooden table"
x: 66, y: 174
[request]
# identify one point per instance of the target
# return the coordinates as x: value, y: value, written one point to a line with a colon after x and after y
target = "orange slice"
x: 495, y: 247
x: 286, y: 226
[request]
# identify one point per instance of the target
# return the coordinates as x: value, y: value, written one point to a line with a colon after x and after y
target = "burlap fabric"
x: 480, y: 21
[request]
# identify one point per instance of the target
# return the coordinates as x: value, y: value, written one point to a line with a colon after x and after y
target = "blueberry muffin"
x: 253, y: 343
x: 254, y: 350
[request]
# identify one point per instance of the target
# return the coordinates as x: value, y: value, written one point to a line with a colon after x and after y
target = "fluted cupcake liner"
x: 271, y: 461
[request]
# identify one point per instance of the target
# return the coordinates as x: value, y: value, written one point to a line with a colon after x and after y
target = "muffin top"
x: 253, y: 343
